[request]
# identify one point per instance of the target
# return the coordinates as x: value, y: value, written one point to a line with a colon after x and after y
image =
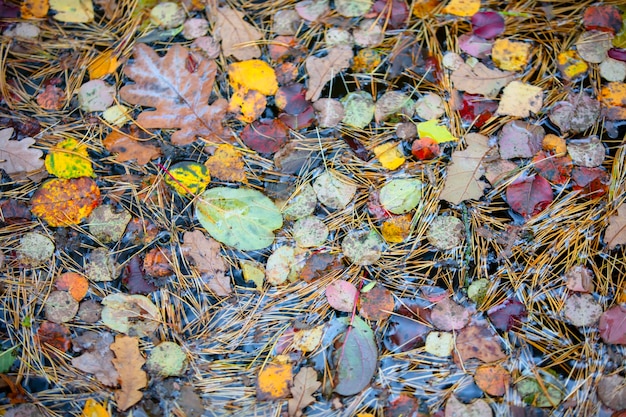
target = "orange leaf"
x: 103, y: 65
x: 128, y: 362
x: 273, y: 382
x: 74, y: 283
x: 34, y: 9
x: 462, y: 7
x: 94, y: 409
x: 129, y: 148
x: 492, y: 379
x: 62, y: 202
x: 227, y: 164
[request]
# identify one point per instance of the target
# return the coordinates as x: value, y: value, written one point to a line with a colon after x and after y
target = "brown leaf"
x: 480, y: 80
x: 97, y: 358
x: 322, y: 70
x: 17, y: 156
x: 128, y: 148
x: 304, y: 385
x: 128, y: 362
x: 477, y: 341
x: 205, y: 253
x: 492, y: 379
x: 238, y: 36
x: 615, y: 234
x: 179, y: 95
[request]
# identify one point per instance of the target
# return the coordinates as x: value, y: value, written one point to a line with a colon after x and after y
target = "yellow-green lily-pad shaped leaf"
x: 188, y: 177
x: 359, y: 108
x: 432, y: 129
x: 400, y: 196
x: 167, y: 359
x: 239, y: 217
x: 69, y: 159
x: 73, y: 11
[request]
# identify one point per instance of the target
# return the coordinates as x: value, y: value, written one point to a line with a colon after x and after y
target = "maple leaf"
x: 463, y: 179
x: 304, y: 384
x: 179, y: 95
x: 16, y: 156
x: 128, y: 362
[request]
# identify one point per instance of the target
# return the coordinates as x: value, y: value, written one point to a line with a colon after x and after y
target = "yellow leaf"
x: 273, y: 381
x: 69, y: 159
x: 424, y: 8
x: 397, y: 228
x: 571, y: 64
x: 462, y: 8
x: 251, y: 104
x: 34, y: 9
x: 613, y: 94
x: 188, y: 177
x: 94, y: 409
x: 366, y: 60
x: 227, y: 164
x: 509, y: 55
x: 72, y: 11
x: 432, y: 129
x: 253, y: 74
x: 554, y: 144
x: 103, y: 65
x: 390, y: 155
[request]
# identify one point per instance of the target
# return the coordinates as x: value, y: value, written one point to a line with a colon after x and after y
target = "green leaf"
x: 356, y: 359
x: 359, y: 108
x: 239, y: 217
x: 7, y: 358
x: 433, y: 130
x: 188, y: 177
x: 400, y: 196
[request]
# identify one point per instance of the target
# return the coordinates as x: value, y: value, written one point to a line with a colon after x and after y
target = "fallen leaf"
x: 510, y: 55
x: 188, y: 178
x: 242, y: 218
x: 95, y: 95
x: 205, y: 253
x: 329, y: 112
x: 478, y: 408
x: 281, y: 265
x: 195, y: 28
x: 579, y: 279
x: 60, y: 307
x: 310, y: 232
x: 401, y: 195
x: 238, y: 36
x: 227, y: 164
x: 396, y: 229
x: 448, y: 315
x: 72, y: 11
x: 403, y: 406
x: 390, y: 155
x: 307, y: 340
x: 130, y: 314
x: 478, y: 341
x: 446, y: 232
x: 312, y: 9
x: 571, y: 64
x: 519, y: 139
x: 179, y: 95
x: 51, y: 98
x: 35, y: 249
x: 167, y: 359
x: 359, y: 109
x: 158, y: 262
x: 613, y: 70
x: 557, y: 170
x: 394, y: 12
x: 62, y: 202
x: 273, y: 381
x: 589, y: 152
x: 355, y: 357
x: 439, y: 344
x: 545, y: 391
x: 432, y: 129
x: 100, y: 265
x: 322, y: 70
x: 74, y: 283
x: 265, y: 136
x: 593, y: 182
x: 117, y: 115
x: 520, y: 99
x: 462, y: 8
x: 97, y: 357
x: 253, y: 74
x: 406, y: 330
x: 332, y: 191
x: 603, y: 17
x: 508, y: 314
x: 463, y: 179
x: 612, y: 325
x: 612, y: 391
x: 487, y: 24
x: 69, y: 159
x: 391, y: 103
x: 54, y: 335
x: 492, y: 379
x: 317, y: 264
x: 477, y: 110
x: 554, y: 144
x: 475, y: 46
x: 107, y: 225
x: 104, y: 64
x: 593, y: 46
x: 577, y: 114
x: 362, y: 247
x: 480, y: 80
x: 167, y: 15
x: 304, y: 386
x: 430, y: 106
x: 33, y: 9
x: 301, y: 203
x: 530, y: 195
x: 342, y: 295
x: 613, y: 96
x: 582, y: 310
x: 615, y: 233
x: 17, y: 156
x: 128, y: 362
x: 93, y: 408
x: 129, y: 148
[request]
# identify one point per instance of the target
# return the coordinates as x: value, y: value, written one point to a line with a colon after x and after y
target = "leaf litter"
x: 290, y: 194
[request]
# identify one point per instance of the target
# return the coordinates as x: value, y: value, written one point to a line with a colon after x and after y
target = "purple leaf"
x: 475, y: 45
x: 508, y: 314
x: 618, y: 53
x: 487, y: 25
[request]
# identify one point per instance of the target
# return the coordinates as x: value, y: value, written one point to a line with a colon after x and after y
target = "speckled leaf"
x: 362, y: 247
x: 62, y: 202
x: 402, y: 195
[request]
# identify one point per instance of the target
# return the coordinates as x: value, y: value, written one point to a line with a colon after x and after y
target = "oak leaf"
x: 238, y: 36
x: 17, y: 156
x: 205, y: 253
x: 128, y: 362
x: 463, y: 180
x: 304, y: 385
x: 180, y: 95
x: 322, y: 70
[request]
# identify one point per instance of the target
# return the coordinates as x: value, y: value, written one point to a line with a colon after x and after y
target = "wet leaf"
x: 33, y: 9
x: 188, y: 178
x: 376, y: 304
x: 391, y: 103
x: 157, y: 262
x: 93, y: 408
x: 478, y: 341
x: 557, y: 170
x: 463, y: 179
x: 432, y: 129
x: 359, y: 109
x: 475, y: 46
x: 329, y: 112
x: 107, y: 225
x: 480, y: 80
x: 95, y: 95
x: 612, y: 391
x: 103, y: 65
x: 520, y: 99
x: 62, y: 202
x: 342, y: 295
x: 353, y: 8
x: 242, y: 218
x: 97, y: 357
x: 290, y: 99
x: 390, y: 155
x: 507, y: 315
x: 312, y: 9
x: 238, y: 37
x: 593, y: 46
x: 477, y: 110
x: 322, y: 70
x: 253, y: 272
x: 7, y: 357
x: 362, y: 247
x: 265, y: 136
x: 479, y: 408
x: 304, y: 386
x: 310, y: 232
x: 554, y: 144
x: 129, y: 148
x: 55, y: 335
x: 571, y: 64
x: 430, y: 106
x: 406, y: 330
x: 72, y: 11
x: 439, y: 344
x: 333, y: 191
x: 182, y: 98
x: 448, y: 315
x: 396, y: 229
x: 519, y: 139
x: 355, y: 357
x: 462, y: 8
x: 577, y: 114
x: 492, y: 379
x: 128, y: 362
x: 60, y: 307
x: 167, y: 15
x: 307, y: 340
x: 579, y: 279
x: 545, y: 393
x: 603, y: 17
x: 280, y: 265
x: 587, y: 152
x: 75, y: 284
x: 301, y: 204
x: 273, y: 381
x: 69, y: 159
x: 167, y: 359
x: 612, y: 325
x: 401, y: 195
x: 100, y: 265
x: 615, y: 233
x: 227, y: 164
x: 317, y: 264
x: 594, y: 182
x: 130, y: 314
x: 17, y: 156
x: 613, y: 97
x: 51, y: 98
x: 487, y: 24
x: 205, y: 254
x: 582, y: 310
x: 613, y: 70
x: 510, y: 55
x: 35, y: 249
x: 446, y: 232
x: 529, y: 196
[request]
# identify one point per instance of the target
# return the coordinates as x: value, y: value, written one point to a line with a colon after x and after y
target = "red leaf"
x: 290, y: 99
x: 477, y: 109
x: 507, y: 315
x: 529, y: 196
x: 55, y: 335
x: 593, y: 181
x: 425, y: 149
x: 605, y: 18
x: 299, y: 121
x: 487, y: 25
x: 405, y: 330
x: 557, y: 170
x: 134, y: 278
x: 375, y: 208
x: 402, y: 406
x: 612, y: 325
x: 394, y: 15
x: 618, y: 53
x: 265, y: 136
x: 475, y: 45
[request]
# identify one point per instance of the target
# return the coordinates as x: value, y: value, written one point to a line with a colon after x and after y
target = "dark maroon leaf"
x: 299, y: 121
x: 593, y: 181
x: 290, y: 99
x: 406, y: 330
x: 507, y: 315
x: 375, y: 208
x: 605, y: 18
x: 135, y: 279
x: 55, y: 335
x: 14, y: 212
x: 393, y: 12
x: 403, y: 406
x: 557, y: 170
x: 612, y: 325
x: 618, y: 53
x: 265, y: 136
x: 487, y: 25
x: 477, y: 109
x: 475, y: 45
x: 425, y: 149
x: 318, y: 264
x: 357, y: 147
x: 529, y: 196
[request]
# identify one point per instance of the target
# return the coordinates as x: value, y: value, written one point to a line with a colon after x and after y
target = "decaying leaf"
x: 390, y: 155
x: 62, y: 202
x: 480, y: 80
x: 446, y: 232
x: 130, y: 314
x: 35, y: 249
x: 612, y: 391
x: 520, y: 99
x: 439, y: 344
x: 615, y: 233
x: 60, y: 307
x: 69, y: 159
x: 273, y: 381
x: 227, y: 164
x: 322, y: 70
x: 478, y: 408
x: 281, y: 265
x: 238, y: 36
x: 362, y: 247
x: 478, y: 341
x: 188, y: 178
x: 73, y: 11
x: 401, y: 195
x: 97, y: 357
x: 342, y: 295
x: 376, y: 304
x: 463, y: 179
x: 128, y: 362
x: 332, y: 191
x: 462, y: 7
x: 448, y: 315
x: 510, y: 55
x: 205, y: 253
x: 107, y: 225
x: 17, y: 156
x: 129, y: 148
x: 305, y: 384
x: 492, y: 379
x: 167, y: 359
x: 179, y: 95
x: 307, y: 340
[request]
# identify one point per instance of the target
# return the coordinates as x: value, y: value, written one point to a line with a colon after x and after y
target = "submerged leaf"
x: 355, y: 358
